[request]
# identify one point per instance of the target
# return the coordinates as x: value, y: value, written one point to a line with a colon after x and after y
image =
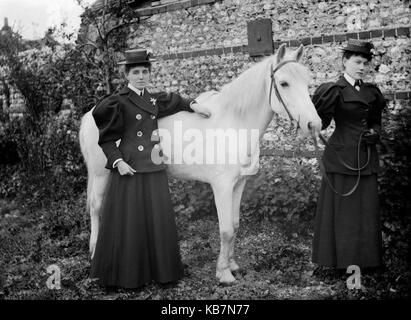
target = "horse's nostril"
x: 309, y: 125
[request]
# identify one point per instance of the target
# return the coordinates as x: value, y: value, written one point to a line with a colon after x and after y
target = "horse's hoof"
x: 225, y: 277
x: 234, y: 267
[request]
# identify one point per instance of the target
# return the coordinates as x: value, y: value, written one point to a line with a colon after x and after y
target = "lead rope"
x: 358, y: 169
x: 321, y: 164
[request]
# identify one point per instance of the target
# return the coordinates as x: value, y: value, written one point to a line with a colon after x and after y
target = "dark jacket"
x: 353, y: 112
x: 133, y: 119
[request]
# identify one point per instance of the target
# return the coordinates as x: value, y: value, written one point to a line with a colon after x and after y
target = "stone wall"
x: 202, y: 45
x: 390, y: 68
x: 224, y: 23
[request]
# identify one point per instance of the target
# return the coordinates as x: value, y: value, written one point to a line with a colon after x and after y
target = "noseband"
x: 274, y: 84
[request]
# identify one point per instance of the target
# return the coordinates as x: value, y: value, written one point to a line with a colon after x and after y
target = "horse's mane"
x: 248, y: 86
x: 251, y: 85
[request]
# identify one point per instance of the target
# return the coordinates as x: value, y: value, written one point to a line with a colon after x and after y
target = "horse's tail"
x: 90, y: 182
x: 83, y: 148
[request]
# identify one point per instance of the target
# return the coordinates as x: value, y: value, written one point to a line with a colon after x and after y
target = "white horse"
x: 245, y: 103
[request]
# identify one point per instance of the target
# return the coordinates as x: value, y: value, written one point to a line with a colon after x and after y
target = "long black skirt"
x: 347, y: 230
x: 137, y: 240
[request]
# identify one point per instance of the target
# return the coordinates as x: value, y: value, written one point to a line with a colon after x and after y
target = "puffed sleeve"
x: 170, y: 103
x: 377, y: 109
x: 325, y: 99
x: 109, y: 120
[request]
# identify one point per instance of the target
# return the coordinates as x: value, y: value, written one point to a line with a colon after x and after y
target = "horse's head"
x: 288, y: 91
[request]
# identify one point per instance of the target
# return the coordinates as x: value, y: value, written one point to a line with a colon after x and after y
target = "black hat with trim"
x: 359, y: 46
x: 136, y: 56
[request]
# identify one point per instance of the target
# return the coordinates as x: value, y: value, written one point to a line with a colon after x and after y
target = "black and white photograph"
x: 208, y: 157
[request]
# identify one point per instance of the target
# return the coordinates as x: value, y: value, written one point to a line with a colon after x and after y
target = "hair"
x: 128, y: 67
x: 348, y: 54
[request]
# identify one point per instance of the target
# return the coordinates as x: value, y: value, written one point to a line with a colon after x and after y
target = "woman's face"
x: 355, y: 66
x: 139, y: 77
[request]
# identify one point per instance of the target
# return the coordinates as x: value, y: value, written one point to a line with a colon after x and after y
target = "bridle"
x: 317, y: 152
x: 274, y: 84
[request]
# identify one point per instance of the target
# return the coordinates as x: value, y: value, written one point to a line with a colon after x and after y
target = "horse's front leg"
x: 238, y: 191
x: 223, y: 195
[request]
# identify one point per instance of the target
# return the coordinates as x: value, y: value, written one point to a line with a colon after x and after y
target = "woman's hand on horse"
x: 200, y: 109
x: 124, y: 169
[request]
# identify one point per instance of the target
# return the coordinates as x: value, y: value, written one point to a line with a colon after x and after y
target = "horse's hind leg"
x: 96, y: 199
x: 223, y: 195
x: 238, y: 191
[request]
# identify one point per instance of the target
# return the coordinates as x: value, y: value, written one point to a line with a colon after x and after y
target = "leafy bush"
x: 8, y: 149
x: 65, y: 219
x: 51, y: 166
x: 394, y: 180
x: 192, y: 198
x: 284, y: 187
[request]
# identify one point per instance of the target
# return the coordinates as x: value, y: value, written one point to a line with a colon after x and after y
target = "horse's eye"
x: 284, y: 84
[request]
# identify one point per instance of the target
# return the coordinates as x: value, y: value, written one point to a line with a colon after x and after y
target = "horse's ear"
x: 281, y: 53
x: 299, y: 53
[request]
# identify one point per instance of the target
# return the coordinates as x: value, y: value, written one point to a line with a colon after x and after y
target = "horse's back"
x: 186, y: 139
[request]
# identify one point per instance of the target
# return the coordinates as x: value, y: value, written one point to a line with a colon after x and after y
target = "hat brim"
x: 135, y: 62
x: 359, y: 51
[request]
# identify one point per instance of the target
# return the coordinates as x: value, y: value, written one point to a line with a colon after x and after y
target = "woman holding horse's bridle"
x: 347, y: 225
x: 137, y: 239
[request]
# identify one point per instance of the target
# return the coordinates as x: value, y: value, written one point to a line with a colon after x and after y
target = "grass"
x: 274, y: 255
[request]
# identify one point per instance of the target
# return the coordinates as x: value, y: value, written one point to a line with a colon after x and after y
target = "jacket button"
x: 138, y: 116
x: 139, y: 134
x: 140, y: 148
x: 156, y: 146
x: 153, y: 116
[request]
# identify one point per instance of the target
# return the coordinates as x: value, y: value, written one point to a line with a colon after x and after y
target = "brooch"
x: 153, y: 101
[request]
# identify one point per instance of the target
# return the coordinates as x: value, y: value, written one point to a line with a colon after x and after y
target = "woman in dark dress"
x: 137, y: 240
x: 347, y: 227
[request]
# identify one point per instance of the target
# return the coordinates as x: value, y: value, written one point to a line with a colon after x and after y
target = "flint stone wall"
x: 202, y: 45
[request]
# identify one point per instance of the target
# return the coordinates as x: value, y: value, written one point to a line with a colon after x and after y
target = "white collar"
x: 350, y: 79
x: 131, y: 87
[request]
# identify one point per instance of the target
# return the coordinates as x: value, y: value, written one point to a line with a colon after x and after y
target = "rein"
x: 317, y: 152
x: 358, y: 169
x: 277, y: 93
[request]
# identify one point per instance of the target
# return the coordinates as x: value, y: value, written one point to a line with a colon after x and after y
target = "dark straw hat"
x: 136, y: 56
x: 359, y: 46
